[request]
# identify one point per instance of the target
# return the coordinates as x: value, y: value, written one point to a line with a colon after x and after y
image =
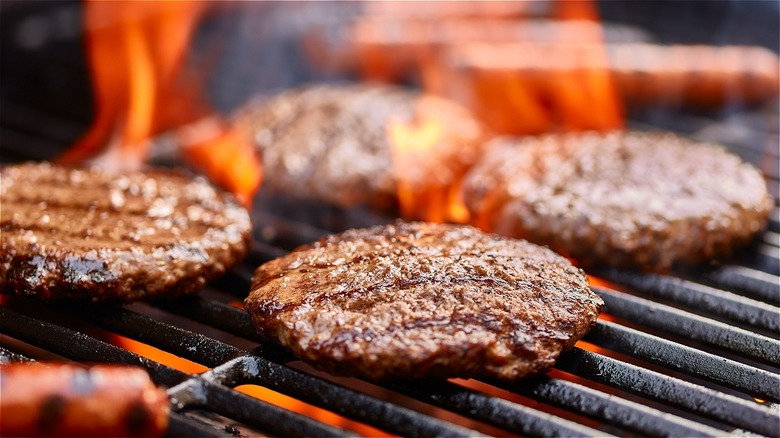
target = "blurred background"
x: 242, y: 49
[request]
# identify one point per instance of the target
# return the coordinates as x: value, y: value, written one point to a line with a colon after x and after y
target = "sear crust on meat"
x: 331, y: 142
x: 414, y: 300
x: 91, y: 235
x: 629, y: 199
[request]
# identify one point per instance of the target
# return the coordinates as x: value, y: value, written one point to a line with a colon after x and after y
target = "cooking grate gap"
x: 670, y: 390
x: 774, y: 219
x: 215, y: 312
x: 762, y: 257
x: 162, y: 311
x: 190, y: 345
x: 514, y: 415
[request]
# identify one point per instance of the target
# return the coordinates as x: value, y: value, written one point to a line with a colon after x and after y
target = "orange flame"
x: 157, y: 355
x: 518, y: 76
x: 412, y: 143
x: 136, y: 52
x: 311, y: 411
x: 425, y: 153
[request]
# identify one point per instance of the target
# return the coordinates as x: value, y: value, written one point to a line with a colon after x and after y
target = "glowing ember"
x: 158, y: 355
x: 136, y: 52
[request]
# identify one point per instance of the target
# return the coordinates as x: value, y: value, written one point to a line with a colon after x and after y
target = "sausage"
x: 67, y: 400
x: 643, y: 74
x: 535, y: 88
x: 696, y: 76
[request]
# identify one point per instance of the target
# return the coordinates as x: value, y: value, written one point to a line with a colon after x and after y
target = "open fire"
x: 144, y: 87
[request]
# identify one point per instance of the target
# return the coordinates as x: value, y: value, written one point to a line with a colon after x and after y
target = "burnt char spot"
x: 138, y: 417
x: 52, y: 409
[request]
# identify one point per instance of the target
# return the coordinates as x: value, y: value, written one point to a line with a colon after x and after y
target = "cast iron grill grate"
x: 689, y: 353
x: 634, y: 381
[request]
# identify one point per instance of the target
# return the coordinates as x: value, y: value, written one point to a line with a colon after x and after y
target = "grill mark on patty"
x: 69, y: 243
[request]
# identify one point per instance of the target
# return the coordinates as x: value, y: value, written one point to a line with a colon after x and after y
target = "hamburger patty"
x: 624, y: 199
x: 331, y: 143
x: 87, y: 234
x: 411, y: 300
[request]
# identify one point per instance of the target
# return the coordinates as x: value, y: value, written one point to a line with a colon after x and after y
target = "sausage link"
x: 67, y: 400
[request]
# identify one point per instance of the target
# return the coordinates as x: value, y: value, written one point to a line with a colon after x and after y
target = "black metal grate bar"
x: 753, y: 283
x: 8, y: 356
x: 612, y: 409
x: 685, y: 359
x: 255, y: 413
x: 694, y: 398
x: 692, y: 326
x: 79, y: 346
x: 184, y: 343
x: 182, y: 425
x: 258, y: 370
x: 494, y: 410
x: 698, y: 296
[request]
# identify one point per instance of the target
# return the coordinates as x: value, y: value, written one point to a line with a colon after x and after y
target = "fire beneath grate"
x: 693, y: 353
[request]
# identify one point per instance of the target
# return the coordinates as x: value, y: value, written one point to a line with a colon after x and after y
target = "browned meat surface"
x: 330, y: 143
x: 628, y: 199
x: 412, y: 300
x: 86, y: 234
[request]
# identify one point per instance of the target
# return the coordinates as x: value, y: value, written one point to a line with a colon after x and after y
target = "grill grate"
x: 688, y: 354
x: 622, y: 394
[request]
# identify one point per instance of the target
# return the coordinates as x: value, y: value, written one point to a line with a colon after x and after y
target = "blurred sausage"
x: 67, y: 400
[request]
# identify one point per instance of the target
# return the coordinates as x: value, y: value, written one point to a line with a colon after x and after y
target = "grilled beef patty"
x: 331, y: 142
x: 86, y: 234
x: 646, y: 200
x: 412, y: 300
